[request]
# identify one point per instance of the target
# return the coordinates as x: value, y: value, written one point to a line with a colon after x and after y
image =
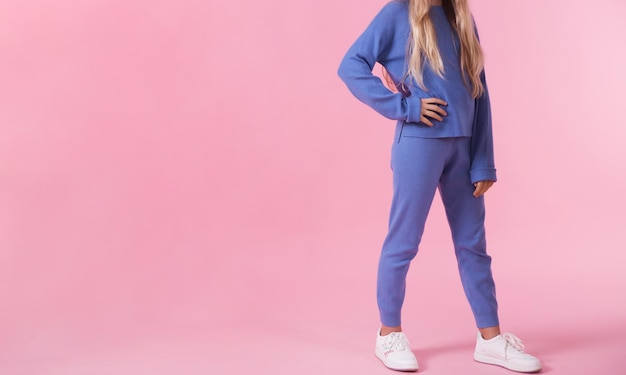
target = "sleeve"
x: 356, y: 68
x: 482, y: 156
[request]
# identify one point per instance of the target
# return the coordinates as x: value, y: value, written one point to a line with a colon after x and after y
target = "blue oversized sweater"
x: 385, y: 41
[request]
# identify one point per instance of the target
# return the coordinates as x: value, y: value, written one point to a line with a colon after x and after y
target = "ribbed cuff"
x: 413, y: 108
x: 483, y: 174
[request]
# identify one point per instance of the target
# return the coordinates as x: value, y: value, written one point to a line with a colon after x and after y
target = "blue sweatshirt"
x: 385, y: 41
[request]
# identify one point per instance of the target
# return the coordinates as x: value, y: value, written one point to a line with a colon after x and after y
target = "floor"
x: 318, y: 320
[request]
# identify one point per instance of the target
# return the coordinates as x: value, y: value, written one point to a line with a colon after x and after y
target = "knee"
x: 399, y: 254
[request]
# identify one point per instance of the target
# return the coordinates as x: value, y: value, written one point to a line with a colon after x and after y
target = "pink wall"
x: 166, y: 166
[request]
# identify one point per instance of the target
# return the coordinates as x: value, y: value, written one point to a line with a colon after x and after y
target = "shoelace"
x: 514, y: 341
x: 396, y: 342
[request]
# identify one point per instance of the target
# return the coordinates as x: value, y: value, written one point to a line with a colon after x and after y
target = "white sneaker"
x: 394, y: 351
x: 507, y: 351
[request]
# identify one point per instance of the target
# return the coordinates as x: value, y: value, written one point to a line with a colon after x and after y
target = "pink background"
x: 186, y: 187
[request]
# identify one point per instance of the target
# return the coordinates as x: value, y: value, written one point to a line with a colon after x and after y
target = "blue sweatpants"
x: 420, y: 166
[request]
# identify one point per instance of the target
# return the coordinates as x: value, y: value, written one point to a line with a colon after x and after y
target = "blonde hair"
x: 422, y: 45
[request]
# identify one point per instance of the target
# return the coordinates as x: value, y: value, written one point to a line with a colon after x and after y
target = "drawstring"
x: 514, y: 341
x: 396, y: 342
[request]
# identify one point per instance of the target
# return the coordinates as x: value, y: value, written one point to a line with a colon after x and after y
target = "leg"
x: 466, y: 216
x: 488, y: 333
x: 385, y: 330
x: 417, y: 164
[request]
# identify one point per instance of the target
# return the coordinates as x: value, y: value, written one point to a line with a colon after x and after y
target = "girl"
x: 443, y: 140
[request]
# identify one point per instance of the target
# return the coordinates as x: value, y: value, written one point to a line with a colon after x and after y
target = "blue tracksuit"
x: 452, y: 155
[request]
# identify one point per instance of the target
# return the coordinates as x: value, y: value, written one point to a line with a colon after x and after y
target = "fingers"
x: 434, y: 105
x: 434, y: 101
x: 426, y: 121
x: 435, y: 113
x: 431, y: 109
x: 482, y: 187
x: 437, y: 109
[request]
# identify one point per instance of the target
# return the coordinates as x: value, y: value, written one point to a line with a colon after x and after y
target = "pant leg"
x: 417, y: 165
x: 466, y: 216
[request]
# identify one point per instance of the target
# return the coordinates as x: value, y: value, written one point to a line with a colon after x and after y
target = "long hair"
x: 422, y: 47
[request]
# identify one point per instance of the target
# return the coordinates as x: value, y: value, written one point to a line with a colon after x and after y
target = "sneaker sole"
x: 498, y: 362
x: 396, y: 367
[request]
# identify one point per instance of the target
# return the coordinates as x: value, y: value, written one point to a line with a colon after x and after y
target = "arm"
x: 356, y: 69
x: 482, y: 157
